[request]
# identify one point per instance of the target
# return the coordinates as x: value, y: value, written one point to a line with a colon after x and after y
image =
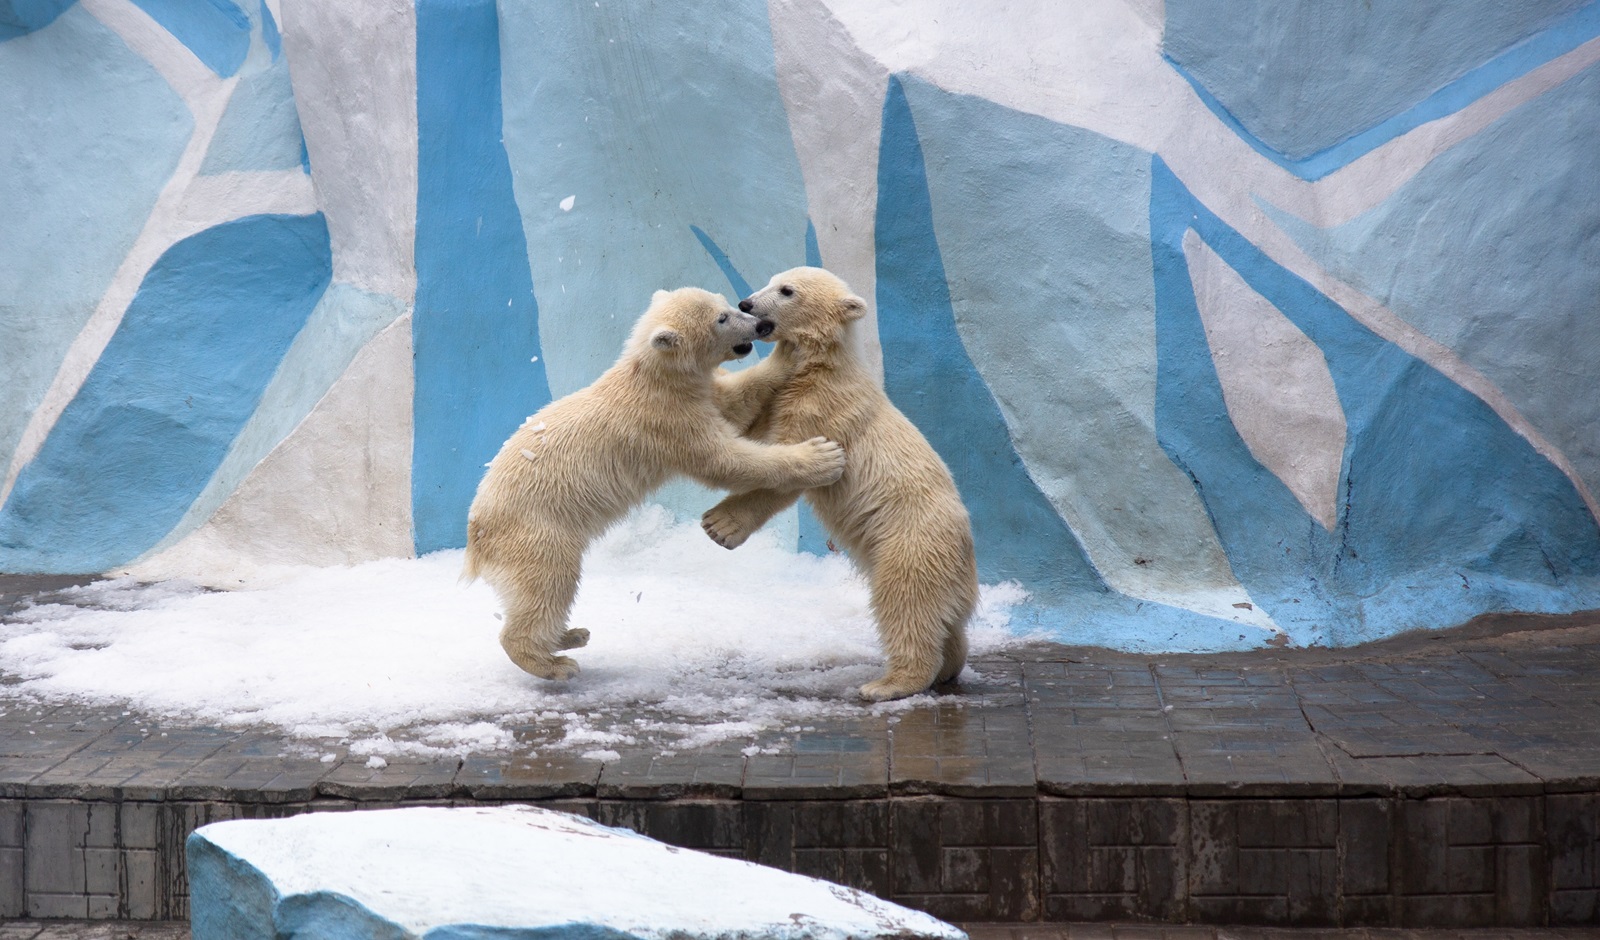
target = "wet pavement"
x: 1445, y: 779
x: 1510, y: 706
x: 87, y: 930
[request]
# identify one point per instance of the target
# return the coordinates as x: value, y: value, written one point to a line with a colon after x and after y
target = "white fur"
x: 895, y: 509
x: 583, y: 461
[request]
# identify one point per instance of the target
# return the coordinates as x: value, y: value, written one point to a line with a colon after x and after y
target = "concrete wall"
x: 1235, y: 321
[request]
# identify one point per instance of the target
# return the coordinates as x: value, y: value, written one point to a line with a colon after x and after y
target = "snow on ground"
x: 691, y: 645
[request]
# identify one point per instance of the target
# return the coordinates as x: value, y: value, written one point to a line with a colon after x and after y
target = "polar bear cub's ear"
x: 666, y: 338
x: 854, y: 307
x: 658, y: 296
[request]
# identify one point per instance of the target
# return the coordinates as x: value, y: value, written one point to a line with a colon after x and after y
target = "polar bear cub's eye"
x: 786, y: 291
x: 723, y: 318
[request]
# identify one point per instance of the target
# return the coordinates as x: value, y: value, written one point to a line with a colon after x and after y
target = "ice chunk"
x: 507, y: 871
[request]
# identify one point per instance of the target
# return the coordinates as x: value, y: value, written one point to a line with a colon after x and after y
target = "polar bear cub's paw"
x: 825, y: 463
x: 555, y: 668
x: 891, y: 687
x: 536, y: 662
x: 725, y: 527
x: 573, y: 639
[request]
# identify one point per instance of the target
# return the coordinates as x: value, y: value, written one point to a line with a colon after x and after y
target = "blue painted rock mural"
x: 1235, y: 325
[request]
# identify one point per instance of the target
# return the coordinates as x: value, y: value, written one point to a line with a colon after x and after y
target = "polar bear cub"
x: 895, y: 509
x: 581, y: 462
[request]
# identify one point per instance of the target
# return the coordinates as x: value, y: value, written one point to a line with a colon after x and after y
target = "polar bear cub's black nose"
x: 743, y: 349
x: 746, y: 305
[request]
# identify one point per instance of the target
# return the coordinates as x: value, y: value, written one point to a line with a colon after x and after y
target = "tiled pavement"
x: 1450, y: 780
x: 168, y: 930
x: 90, y: 930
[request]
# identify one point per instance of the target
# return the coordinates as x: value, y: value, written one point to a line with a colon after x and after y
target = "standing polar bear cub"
x: 895, y: 509
x: 578, y: 465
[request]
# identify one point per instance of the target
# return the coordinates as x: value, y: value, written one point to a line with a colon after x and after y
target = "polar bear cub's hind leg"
x: 537, y: 599
x: 910, y: 599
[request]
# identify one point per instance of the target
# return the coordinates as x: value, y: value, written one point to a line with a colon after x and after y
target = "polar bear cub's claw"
x: 724, y: 527
x: 827, y: 462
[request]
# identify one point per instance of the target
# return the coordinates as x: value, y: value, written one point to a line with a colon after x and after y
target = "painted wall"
x: 1237, y: 323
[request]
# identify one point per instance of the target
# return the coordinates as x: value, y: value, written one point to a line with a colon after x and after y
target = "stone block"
x: 769, y: 833
x: 50, y: 906
x: 11, y: 828
x: 141, y: 897
x: 1521, y: 885
x: 1447, y: 910
x: 842, y: 824
x: 102, y: 871
x: 139, y: 823
x: 1573, y: 836
x: 1112, y: 859
x: 54, y: 848
x: 914, y: 853
x: 1574, y: 907
x: 13, y: 890
x: 1364, y: 840
x: 707, y: 826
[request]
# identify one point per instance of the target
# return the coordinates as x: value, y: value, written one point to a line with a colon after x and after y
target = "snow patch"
x: 691, y: 645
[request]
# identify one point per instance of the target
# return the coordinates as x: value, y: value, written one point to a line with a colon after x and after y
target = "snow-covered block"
x: 506, y: 872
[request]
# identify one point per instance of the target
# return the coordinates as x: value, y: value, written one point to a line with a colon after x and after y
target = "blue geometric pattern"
x: 21, y: 17
x: 180, y: 377
x: 175, y: 306
x: 1448, y: 56
x: 479, y: 365
x: 929, y: 376
x: 216, y: 31
x: 1436, y: 493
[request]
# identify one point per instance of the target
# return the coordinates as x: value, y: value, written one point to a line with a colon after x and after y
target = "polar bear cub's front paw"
x: 573, y: 639
x: 725, y: 527
x: 825, y: 464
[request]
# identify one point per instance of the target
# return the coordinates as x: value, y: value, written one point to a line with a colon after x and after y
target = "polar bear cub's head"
x: 692, y: 330
x: 805, y: 304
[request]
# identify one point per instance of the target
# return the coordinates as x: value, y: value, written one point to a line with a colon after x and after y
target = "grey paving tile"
x: 1433, y: 775
x: 1229, y: 763
x: 361, y: 778
x: 1407, y: 741
x: 813, y: 775
x: 496, y: 777
x: 705, y: 772
x: 1081, y: 761
x: 961, y: 750
x: 255, y: 767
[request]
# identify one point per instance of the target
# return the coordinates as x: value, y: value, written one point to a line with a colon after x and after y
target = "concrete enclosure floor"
x: 1441, y: 780
x: 124, y: 930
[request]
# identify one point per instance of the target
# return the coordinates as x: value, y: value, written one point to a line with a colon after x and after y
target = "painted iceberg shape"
x: 508, y: 872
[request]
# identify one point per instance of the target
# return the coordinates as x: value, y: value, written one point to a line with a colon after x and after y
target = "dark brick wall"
x: 1435, y: 862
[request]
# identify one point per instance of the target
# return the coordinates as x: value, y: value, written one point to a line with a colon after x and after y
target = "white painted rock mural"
x: 507, y: 872
x: 1235, y: 324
